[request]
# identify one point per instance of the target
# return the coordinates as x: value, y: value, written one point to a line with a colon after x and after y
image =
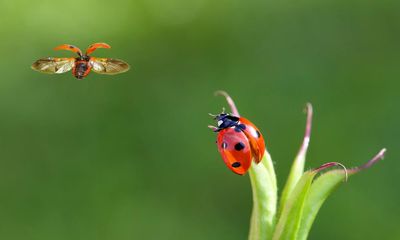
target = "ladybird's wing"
x: 69, y: 47
x: 53, y: 65
x: 235, y: 150
x: 94, y: 46
x: 255, y: 138
x: 108, y: 65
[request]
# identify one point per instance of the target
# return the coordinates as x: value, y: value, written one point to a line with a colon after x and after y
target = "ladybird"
x: 238, y: 141
x: 81, y: 65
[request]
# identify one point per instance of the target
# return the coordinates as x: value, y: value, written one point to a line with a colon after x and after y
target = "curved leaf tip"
x: 307, y: 133
x: 297, y: 168
x: 373, y: 161
x: 230, y: 101
x: 332, y: 164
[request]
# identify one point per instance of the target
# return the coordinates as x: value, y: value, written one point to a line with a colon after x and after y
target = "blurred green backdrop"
x: 130, y: 156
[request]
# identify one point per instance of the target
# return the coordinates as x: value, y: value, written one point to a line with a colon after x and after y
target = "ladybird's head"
x: 225, y: 120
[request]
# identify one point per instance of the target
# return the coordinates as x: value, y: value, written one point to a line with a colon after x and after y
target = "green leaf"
x: 263, y: 182
x: 321, y: 188
x: 298, y: 165
x: 269, y: 165
x: 289, y: 220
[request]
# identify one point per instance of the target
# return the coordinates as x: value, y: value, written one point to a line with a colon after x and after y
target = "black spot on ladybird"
x: 236, y: 164
x: 224, y: 145
x: 239, y: 146
x: 258, y: 134
x: 70, y: 46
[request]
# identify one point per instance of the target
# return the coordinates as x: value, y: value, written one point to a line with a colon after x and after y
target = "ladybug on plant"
x: 239, y: 142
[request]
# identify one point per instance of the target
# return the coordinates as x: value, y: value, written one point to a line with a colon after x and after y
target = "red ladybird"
x: 81, y: 65
x: 239, y: 141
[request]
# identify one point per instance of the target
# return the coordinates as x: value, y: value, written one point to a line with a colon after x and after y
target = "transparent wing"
x: 108, y: 65
x: 53, y: 65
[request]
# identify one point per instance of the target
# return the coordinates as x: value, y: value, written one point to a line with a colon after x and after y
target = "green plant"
x: 303, y: 194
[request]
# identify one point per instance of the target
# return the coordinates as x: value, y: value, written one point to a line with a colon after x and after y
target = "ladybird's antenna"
x: 212, y: 128
x: 223, y: 110
x: 212, y: 115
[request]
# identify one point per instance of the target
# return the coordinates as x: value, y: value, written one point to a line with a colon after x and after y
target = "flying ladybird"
x: 239, y: 141
x: 82, y: 64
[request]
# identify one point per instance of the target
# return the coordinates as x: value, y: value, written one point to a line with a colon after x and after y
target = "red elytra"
x: 255, y: 138
x: 235, y: 150
x: 239, y: 141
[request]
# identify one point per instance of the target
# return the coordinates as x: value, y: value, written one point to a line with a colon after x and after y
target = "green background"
x: 130, y: 156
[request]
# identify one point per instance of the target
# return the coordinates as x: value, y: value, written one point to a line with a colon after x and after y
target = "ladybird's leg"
x: 94, y: 46
x: 89, y: 68
x: 69, y: 47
